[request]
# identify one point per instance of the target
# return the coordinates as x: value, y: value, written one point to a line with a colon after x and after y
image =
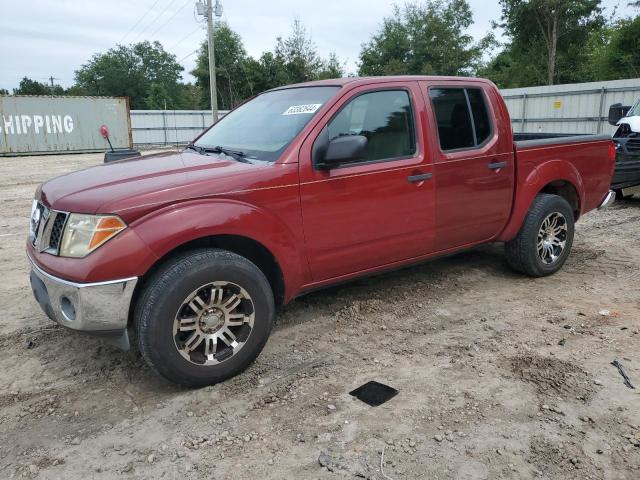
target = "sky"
x: 44, y: 38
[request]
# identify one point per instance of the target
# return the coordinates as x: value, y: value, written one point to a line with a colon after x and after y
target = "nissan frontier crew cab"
x: 188, y: 255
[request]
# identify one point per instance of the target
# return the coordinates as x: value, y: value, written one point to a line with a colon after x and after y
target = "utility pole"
x: 212, y: 58
x: 51, y: 79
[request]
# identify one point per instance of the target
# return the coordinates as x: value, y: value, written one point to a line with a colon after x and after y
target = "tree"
x: 231, y: 57
x: 425, y: 38
x: 239, y: 76
x: 299, y: 55
x: 617, y: 51
x: 265, y: 73
x: 144, y: 72
x: 28, y: 86
x: 547, y: 40
x: 332, y: 68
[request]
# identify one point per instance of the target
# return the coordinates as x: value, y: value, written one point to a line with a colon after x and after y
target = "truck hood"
x: 129, y: 187
x: 633, y: 122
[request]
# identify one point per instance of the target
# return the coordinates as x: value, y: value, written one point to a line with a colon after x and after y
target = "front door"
x: 379, y: 210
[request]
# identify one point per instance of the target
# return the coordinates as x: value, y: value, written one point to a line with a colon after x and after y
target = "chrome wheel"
x: 552, y: 238
x: 213, y: 323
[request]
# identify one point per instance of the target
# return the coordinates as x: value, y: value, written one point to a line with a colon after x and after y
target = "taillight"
x: 612, y: 152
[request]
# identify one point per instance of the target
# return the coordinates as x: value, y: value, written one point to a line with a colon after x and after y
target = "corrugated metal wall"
x: 571, y: 108
x: 169, y: 127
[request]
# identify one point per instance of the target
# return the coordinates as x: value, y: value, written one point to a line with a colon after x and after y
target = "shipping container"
x: 32, y: 125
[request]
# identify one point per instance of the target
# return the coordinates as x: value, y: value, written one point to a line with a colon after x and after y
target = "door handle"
x: 419, y: 178
x: 497, y: 165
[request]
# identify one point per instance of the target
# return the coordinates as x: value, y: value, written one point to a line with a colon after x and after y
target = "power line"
x: 187, y: 56
x: 139, y: 20
x: 199, y: 27
x: 170, y: 18
x: 153, y: 21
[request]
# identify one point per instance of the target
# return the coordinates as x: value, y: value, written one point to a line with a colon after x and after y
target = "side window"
x: 384, y: 117
x: 459, y: 127
x: 480, y: 114
x: 454, y: 121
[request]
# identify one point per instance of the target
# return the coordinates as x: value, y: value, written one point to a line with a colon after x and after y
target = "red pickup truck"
x: 301, y: 187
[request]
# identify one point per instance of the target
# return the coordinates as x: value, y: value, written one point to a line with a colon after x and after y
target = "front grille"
x: 633, y: 145
x: 47, y: 227
x: 56, y: 231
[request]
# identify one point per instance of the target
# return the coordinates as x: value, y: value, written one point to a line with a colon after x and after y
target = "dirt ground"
x: 499, y: 375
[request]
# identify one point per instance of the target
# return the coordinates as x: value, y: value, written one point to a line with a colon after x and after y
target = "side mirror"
x: 616, y: 112
x: 348, y: 148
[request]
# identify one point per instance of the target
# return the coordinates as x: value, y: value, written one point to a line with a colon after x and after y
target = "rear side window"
x: 480, y: 114
x: 384, y: 117
x: 463, y: 120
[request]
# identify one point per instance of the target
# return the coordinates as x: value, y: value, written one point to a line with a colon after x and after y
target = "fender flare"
x: 536, y: 181
x: 171, y: 227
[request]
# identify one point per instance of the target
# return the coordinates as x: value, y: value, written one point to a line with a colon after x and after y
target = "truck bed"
x: 587, y: 154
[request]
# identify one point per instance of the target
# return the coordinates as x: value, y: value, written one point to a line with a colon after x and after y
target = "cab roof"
x: 357, y: 81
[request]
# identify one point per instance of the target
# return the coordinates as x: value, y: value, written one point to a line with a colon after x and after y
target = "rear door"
x: 473, y: 162
x: 380, y: 210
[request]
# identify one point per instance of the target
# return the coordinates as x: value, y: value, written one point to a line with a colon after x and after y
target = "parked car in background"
x: 189, y: 254
x: 627, y: 141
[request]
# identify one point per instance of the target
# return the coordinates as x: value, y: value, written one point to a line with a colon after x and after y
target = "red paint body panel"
x: 473, y: 202
x: 373, y: 214
x: 322, y: 226
x: 583, y: 165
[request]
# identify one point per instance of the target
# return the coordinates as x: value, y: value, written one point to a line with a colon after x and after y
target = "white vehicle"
x: 627, y: 141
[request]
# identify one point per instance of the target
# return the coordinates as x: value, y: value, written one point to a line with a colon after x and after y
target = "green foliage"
x: 239, y: 76
x: 429, y: 38
x: 28, y: 86
x: 548, y: 41
x: 331, y: 68
x: 144, y: 72
x: 265, y: 73
x: 616, y: 51
x: 230, y: 57
x: 298, y: 55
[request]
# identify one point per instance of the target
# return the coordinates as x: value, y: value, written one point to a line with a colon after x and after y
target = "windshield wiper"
x: 200, y: 150
x: 235, y: 154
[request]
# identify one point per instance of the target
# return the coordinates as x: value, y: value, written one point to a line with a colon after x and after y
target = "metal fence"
x: 168, y: 127
x: 571, y: 108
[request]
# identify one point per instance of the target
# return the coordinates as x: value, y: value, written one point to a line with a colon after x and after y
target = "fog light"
x: 67, y: 308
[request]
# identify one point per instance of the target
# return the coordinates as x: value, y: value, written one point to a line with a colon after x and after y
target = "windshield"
x: 635, y: 110
x: 263, y: 127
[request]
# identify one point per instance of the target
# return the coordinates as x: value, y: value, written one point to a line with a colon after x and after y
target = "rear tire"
x: 204, y: 317
x: 545, y: 238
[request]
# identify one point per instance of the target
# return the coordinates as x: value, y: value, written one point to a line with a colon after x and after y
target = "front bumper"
x: 100, y: 308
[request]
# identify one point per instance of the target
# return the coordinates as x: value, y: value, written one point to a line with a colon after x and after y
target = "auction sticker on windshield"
x: 300, y: 109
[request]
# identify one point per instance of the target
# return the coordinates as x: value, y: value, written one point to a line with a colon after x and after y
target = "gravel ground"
x: 499, y: 375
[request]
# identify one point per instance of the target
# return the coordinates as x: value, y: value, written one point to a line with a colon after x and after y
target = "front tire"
x: 544, y: 241
x: 204, y: 317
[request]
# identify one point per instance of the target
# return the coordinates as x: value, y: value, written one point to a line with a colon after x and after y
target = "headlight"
x: 84, y: 233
